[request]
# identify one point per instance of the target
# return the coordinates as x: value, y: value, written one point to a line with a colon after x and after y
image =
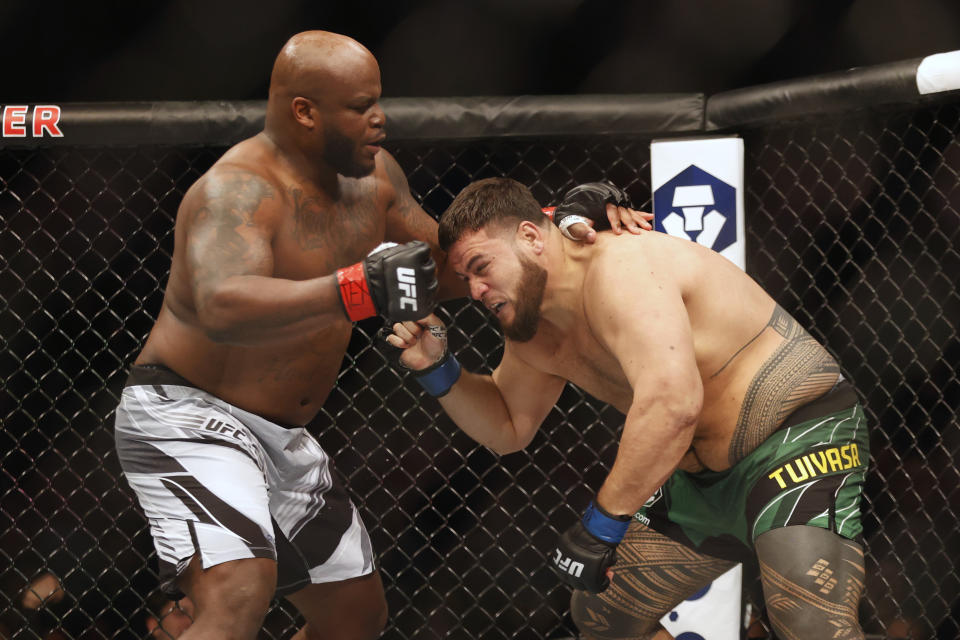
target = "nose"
x: 477, y: 289
x: 378, y: 119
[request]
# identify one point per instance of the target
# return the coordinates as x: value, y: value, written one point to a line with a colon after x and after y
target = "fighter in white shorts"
x: 263, y: 490
x: 270, y: 268
x: 269, y: 271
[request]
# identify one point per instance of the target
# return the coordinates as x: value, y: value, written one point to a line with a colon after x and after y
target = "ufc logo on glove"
x: 396, y: 280
x: 567, y: 565
x: 407, y: 283
x: 593, y: 542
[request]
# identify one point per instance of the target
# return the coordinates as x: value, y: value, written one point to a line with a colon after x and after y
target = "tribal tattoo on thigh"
x: 652, y: 575
x: 830, y: 594
x: 798, y: 371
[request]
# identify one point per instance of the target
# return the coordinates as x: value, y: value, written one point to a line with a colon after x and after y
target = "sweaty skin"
x: 251, y: 312
x: 701, y: 361
x: 703, y: 364
x: 745, y: 360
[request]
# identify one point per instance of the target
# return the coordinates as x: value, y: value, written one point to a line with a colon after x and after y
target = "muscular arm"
x: 406, y: 221
x: 229, y: 260
x: 644, y: 323
x: 503, y: 411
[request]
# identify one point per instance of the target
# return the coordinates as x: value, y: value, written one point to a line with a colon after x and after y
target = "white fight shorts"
x: 226, y: 484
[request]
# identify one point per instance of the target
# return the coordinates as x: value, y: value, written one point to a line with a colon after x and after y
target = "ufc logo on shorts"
x: 407, y: 279
x: 567, y: 564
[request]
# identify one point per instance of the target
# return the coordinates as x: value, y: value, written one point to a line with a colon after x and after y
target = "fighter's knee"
x: 369, y: 627
x: 352, y: 609
x: 598, y: 620
x: 374, y: 619
x: 806, y: 625
x: 232, y: 598
x: 377, y: 619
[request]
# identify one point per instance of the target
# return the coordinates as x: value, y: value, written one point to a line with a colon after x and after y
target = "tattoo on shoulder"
x: 232, y: 198
x: 784, y: 324
x: 230, y: 203
x: 394, y: 172
x: 415, y: 222
x: 798, y: 371
x: 405, y: 202
x: 781, y: 322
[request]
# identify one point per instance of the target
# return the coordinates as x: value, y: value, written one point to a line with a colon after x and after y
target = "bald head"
x: 324, y: 104
x: 312, y: 60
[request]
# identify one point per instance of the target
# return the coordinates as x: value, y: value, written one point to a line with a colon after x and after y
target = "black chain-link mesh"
x: 852, y: 226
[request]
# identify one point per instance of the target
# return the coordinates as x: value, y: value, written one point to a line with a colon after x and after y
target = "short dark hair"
x: 484, y: 202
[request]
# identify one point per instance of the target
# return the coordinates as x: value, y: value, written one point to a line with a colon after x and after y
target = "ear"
x: 304, y: 112
x: 530, y: 234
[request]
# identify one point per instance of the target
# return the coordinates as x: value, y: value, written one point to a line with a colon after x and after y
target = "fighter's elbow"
x: 514, y: 443
x: 215, y: 316
x: 220, y: 335
x: 678, y: 408
x: 687, y: 405
x: 502, y: 450
x: 683, y: 415
x: 684, y: 421
x: 505, y: 446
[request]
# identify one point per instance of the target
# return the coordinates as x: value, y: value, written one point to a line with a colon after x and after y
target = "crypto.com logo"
x: 697, y: 206
x: 45, y: 121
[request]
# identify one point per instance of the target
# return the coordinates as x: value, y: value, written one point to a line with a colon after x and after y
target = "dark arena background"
x: 853, y: 216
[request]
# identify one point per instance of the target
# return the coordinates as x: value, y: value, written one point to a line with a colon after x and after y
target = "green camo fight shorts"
x: 809, y: 472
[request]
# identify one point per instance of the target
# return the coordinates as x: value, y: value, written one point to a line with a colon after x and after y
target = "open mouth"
x: 495, y: 308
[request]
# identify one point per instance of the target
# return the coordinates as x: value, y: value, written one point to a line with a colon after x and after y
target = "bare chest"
x: 578, y: 357
x: 320, y: 234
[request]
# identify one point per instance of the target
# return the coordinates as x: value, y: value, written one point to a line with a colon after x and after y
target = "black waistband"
x: 158, y: 375
x: 842, y: 396
x: 155, y: 374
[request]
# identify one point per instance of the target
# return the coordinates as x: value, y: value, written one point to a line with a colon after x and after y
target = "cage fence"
x: 852, y: 226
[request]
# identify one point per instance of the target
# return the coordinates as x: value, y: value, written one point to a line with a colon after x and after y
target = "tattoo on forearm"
x: 651, y: 576
x: 229, y: 205
x: 798, y: 371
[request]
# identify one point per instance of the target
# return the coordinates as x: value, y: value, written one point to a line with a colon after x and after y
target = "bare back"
x: 755, y: 362
x: 311, y: 233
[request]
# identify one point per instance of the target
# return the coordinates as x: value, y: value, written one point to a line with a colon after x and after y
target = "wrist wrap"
x: 354, y: 292
x: 440, y: 377
x: 605, y: 526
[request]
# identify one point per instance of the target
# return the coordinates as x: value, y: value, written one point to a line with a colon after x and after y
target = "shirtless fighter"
x: 270, y: 267
x: 740, y: 437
